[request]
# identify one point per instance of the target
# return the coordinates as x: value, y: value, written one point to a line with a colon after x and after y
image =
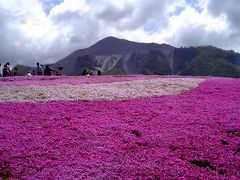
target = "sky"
x: 48, y: 30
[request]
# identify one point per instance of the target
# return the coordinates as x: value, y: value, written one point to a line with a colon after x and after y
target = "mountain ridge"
x: 120, y: 56
x: 110, y: 52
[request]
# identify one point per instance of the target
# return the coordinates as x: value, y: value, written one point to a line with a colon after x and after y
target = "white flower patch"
x: 107, y: 91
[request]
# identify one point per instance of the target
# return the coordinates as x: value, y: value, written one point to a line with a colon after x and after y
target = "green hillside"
x: 212, y: 61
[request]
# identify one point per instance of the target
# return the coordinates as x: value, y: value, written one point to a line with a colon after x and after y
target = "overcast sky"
x: 48, y: 30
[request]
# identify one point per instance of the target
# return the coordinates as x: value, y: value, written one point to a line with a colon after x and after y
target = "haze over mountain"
x: 119, y: 56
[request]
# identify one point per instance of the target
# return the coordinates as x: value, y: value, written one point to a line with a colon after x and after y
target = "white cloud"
x: 28, y: 32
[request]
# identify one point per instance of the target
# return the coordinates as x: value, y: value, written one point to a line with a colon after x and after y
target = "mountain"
x: 119, y: 56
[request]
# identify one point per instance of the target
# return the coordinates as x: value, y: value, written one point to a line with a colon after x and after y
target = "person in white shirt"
x: 39, y: 69
x: 29, y: 74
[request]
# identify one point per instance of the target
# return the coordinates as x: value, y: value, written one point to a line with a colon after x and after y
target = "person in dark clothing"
x: 8, y: 69
x: 5, y: 71
x: 84, y: 73
x: 0, y: 70
x: 48, y: 71
x: 99, y: 72
x: 15, y: 71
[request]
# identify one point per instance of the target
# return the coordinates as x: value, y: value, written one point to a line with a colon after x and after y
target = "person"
x: 90, y: 73
x: 48, y: 71
x: 33, y: 72
x: 29, y: 74
x: 39, y: 69
x: 85, y: 72
x: 99, y: 72
x: 15, y: 71
x: 59, y: 71
x: 8, y: 69
x: 5, y: 71
x: 0, y: 70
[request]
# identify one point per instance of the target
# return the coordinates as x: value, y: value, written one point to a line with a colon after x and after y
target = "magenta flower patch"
x: 195, y: 134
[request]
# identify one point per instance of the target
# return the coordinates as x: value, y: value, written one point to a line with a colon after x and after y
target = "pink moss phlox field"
x: 56, y: 80
x: 192, y: 135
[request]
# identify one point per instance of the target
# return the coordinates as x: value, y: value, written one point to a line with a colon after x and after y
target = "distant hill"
x: 211, y: 61
x: 119, y: 56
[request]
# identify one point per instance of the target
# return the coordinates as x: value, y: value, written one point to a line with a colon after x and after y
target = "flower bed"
x: 57, y: 80
x: 193, y: 133
x: 107, y: 91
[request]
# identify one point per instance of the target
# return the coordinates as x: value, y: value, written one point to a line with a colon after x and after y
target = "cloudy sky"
x: 48, y: 30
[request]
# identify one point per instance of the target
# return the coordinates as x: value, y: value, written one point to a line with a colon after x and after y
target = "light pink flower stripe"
x: 107, y: 91
x: 74, y: 80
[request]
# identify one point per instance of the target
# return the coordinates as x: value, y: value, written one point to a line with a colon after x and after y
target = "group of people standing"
x: 6, y: 71
x: 38, y: 70
x: 47, y: 71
